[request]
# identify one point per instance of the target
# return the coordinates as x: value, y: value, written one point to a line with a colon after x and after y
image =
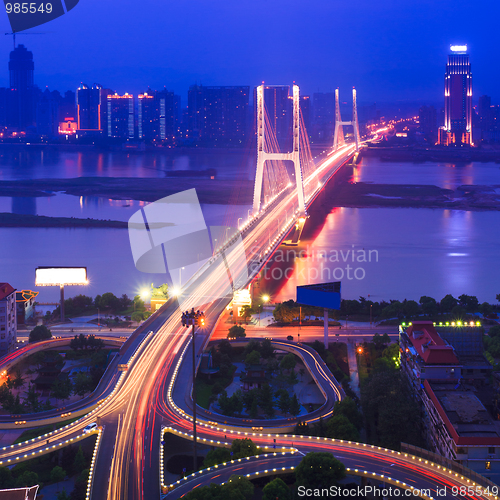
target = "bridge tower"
x: 339, y: 131
x: 263, y: 155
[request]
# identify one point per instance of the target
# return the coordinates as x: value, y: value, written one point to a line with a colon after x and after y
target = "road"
x: 139, y: 402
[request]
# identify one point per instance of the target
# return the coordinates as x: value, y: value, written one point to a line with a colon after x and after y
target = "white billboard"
x: 56, y: 276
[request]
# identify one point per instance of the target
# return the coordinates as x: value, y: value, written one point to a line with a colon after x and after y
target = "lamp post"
x: 265, y: 300
x: 191, y: 319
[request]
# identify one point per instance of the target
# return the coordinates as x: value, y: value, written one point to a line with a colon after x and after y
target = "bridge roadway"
x: 127, y: 405
x: 132, y: 414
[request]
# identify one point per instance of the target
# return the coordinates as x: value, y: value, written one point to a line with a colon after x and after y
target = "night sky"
x: 391, y: 50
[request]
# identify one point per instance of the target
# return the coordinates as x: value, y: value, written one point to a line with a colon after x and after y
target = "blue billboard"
x: 325, y: 295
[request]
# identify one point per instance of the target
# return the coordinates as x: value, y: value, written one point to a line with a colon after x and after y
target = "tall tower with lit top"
x: 457, y: 128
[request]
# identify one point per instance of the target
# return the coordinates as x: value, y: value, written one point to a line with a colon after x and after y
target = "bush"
x: 235, y: 332
x: 40, y: 332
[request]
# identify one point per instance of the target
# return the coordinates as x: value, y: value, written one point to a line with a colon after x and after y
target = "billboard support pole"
x: 62, y: 301
x: 325, y: 319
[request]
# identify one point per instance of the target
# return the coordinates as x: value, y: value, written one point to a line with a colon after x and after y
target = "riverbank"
x: 23, y: 220
x: 235, y: 192
x: 364, y: 195
x: 423, y: 154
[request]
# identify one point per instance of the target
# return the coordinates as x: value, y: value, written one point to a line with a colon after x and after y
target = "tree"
x: 159, y: 293
x: 27, y: 479
x: 139, y: 304
x: 82, y: 384
x: 224, y: 403
x: 137, y: 316
x: 225, y: 347
x: 469, y: 302
x: 485, y: 309
x: 38, y: 358
x: 319, y: 470
x: 125, y: 302
x: 244, y: 447
x: 109, y: 302
x: 246, y: 313
x: 239, y: 485
x: 236, y: 332
x: 62, y: 495
x: 79, y: 461
x: 284, y: 401
x: 410, y: 308
x: 94, y: 344
x: 288, y: 362
x: 266, y: 400
x: 448, y: 302
x: 290, y: 338
x: 40, y: 332
x: 32, y: 399
x: 61, y: 389
x: 19, y: 380
x: 494, y: 331
x: 253, y: 358
x: 276, y: 490
x: 6, y: 479
x: 217, y: 456
x: 349, y: 408
x: 283, y: 313
x: 266, y: 349
x: 294, y: 406
x: 236, y: 402
x: 429, y: 305
x: 390, y: 412
x: 57, y: 474
x: 339, y: 427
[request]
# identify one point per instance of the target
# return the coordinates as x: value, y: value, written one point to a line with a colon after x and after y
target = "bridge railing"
x: 448, y: 463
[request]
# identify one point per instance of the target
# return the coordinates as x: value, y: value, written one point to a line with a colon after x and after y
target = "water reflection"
x: 23, y: 205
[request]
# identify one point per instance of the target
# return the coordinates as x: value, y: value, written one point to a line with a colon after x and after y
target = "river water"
x: 398, y: 253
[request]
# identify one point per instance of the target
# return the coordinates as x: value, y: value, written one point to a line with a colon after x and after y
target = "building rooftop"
x: 5, y: 290
x: 466, y: 418
x: 429, y: 345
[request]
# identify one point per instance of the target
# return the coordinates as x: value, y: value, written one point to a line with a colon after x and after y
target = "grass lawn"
x: 203, y: 394
x: 40, y: 431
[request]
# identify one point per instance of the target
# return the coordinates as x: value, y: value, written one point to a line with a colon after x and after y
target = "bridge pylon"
x: 263, y: 155
x: 339, y: 131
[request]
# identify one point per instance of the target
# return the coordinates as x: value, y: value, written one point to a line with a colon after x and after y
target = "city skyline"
x: 402, y: 62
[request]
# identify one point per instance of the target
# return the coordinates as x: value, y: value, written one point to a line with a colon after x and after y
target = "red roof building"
x: 429, y: 345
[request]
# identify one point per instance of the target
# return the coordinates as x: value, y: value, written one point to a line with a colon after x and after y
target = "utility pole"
x: 191, y: 319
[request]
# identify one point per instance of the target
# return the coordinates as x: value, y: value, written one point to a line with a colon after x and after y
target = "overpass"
x: 137, y: 404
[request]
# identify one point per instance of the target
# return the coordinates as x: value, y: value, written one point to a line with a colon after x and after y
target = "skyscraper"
x: 457, y: 127
x: 218, y: 115
x: 121, y: 116
x: 21, y: 69
x: 157, y: 113
x: 88, y: 105
x: 278, y: 105
x: 324, y: 115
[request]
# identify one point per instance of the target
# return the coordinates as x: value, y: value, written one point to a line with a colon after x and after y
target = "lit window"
x: 488, y: 465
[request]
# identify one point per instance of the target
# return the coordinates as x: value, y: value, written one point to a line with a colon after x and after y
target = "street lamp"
x: 191, y: 319
x: 265, y: 300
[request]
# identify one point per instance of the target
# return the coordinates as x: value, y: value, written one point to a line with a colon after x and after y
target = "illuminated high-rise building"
x: 157, y: 113
x: 278, y: 104
x: 121, y: 116
x: 88, y: 102
x: 218, y: 115
x: 457, y: 128
x: 21, y: 69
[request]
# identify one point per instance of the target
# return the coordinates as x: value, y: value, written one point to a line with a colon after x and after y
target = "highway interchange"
x: 135, y: 406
